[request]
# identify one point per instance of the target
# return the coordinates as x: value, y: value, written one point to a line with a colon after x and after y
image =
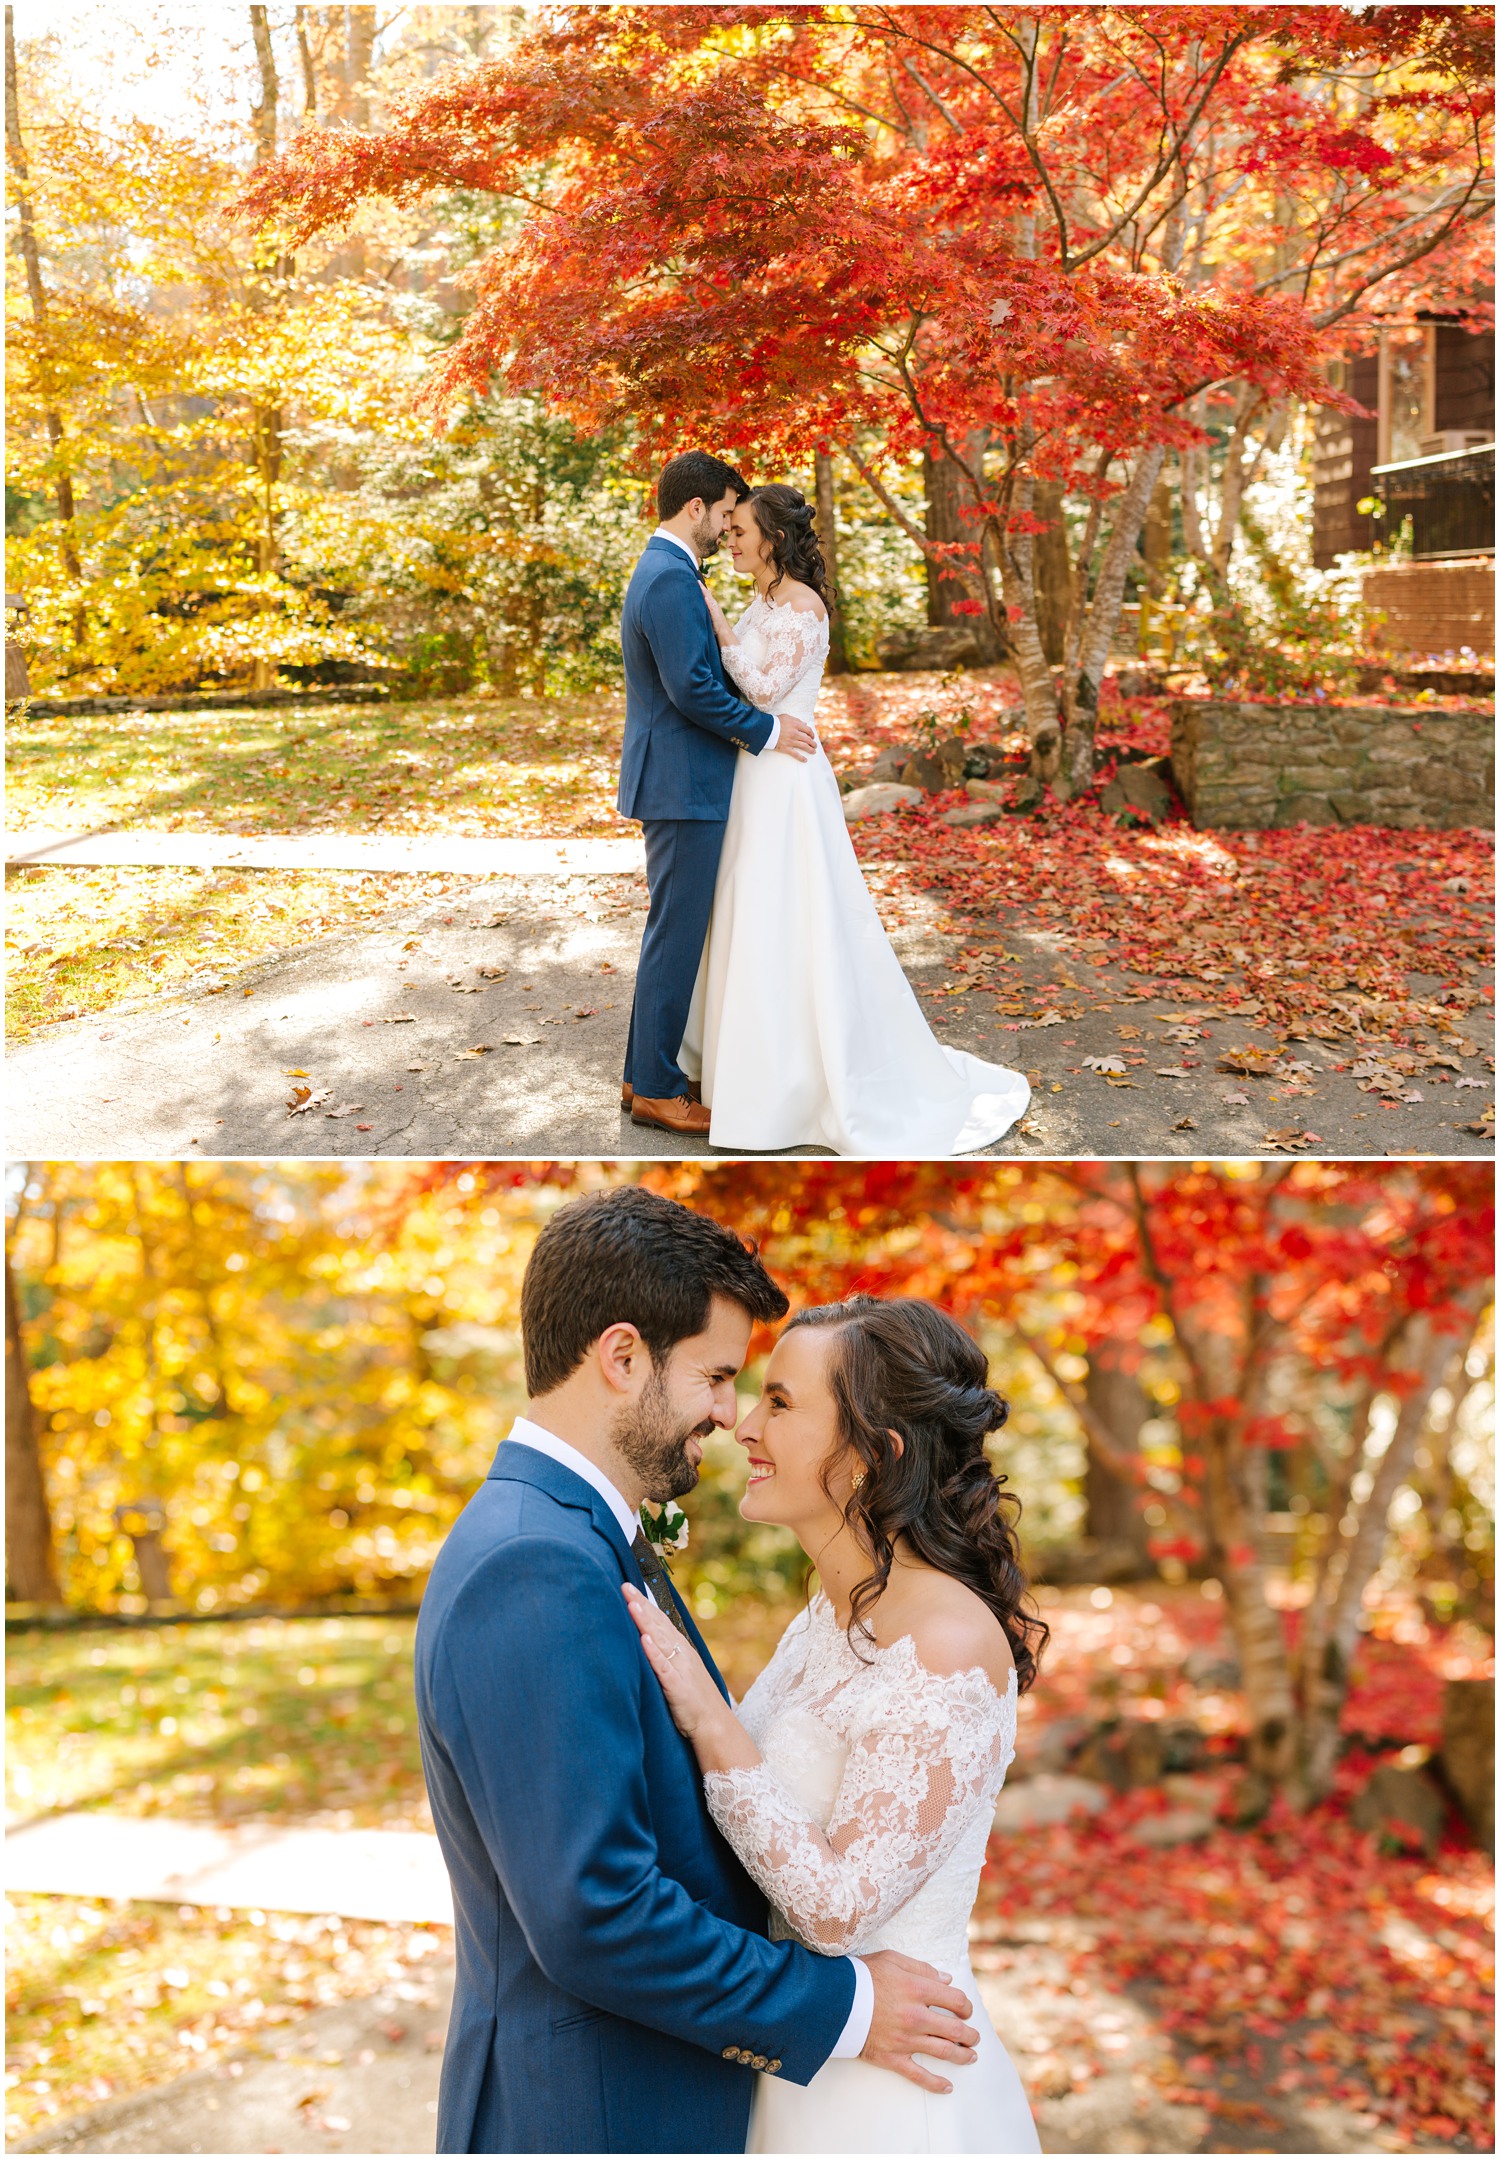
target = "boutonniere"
x: 666, y: 1529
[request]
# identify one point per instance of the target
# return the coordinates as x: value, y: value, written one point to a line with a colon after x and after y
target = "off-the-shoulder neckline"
x: 785, y: 607
x: 908, y: 1643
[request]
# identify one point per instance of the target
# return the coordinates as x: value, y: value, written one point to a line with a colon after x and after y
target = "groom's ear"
x: 622, y: 1356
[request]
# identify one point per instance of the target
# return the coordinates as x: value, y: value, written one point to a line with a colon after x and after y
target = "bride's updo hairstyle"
x: 787, y: 522
x: 899, y: 1364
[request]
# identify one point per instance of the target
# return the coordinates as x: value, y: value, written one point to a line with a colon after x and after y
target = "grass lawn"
x: 509, y: 767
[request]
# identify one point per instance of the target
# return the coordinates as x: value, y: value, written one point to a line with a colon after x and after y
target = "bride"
x: 857, y: 1783
x: 803, y: 1030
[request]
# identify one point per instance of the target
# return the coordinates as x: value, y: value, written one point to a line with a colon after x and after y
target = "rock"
x: 1184, y: 1747
x: 1397, y: 1797
x: 988, y: 790
x: 1057, y: 1743
x: 1142, y: 788
x: 1042, y: 1800
x: 1179, y: 1825
x: 1211, y: 1671
x: 1467, y: 1754
x: 1249, y: 1800
x: 924, y: 772
x: 916, y: 651
x: 1028, y: 794
x: 875, y: 801
x: 1124, y: 1758
x: 987, y: 760
x: 1137, y: 682
x: 953, y: 756
x: 1205, y: 1794
x: 973, y: 813
x: 890, y: 764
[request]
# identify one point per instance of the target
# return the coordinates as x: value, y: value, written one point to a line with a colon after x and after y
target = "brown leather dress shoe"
x: 627, y: 1093
x: 689, y: 1119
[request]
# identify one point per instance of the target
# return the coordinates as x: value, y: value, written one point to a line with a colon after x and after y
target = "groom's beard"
x: 705, y: 544
x: 652, y: 1438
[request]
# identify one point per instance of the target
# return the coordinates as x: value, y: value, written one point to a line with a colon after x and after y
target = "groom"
x: 684, y: 727
x: 616, y: 1986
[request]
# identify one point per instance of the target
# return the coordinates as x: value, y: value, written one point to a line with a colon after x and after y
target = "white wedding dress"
x: 803, y: 1030
x: 865, y: 1824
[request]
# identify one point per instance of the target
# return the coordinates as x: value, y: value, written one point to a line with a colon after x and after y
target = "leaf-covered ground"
x: 1361, y: 951
x: 1280, y: 1970
x: 1287, y: 1969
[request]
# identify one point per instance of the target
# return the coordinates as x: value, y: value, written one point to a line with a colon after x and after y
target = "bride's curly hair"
x: 786, y: 519
x: 898, y: 1364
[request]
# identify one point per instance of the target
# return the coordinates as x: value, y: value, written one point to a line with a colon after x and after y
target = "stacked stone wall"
x: 1251, y: 767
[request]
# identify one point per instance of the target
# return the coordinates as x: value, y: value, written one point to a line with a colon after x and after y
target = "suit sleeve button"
x: 760, y: 2061
x: 774, y: 2066
x: 731, y: 2054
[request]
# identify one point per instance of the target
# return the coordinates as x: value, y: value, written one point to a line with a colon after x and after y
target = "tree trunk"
x: 1018, y: 578
x: 266, y: 420
x: 309, y: 70
x: 1114, y: 1523
x: 1077, y: 761
x: 947, y: 493
x: 30, y: 1565
x: 1331, y: 1625
x: 828, y: 540
x: 1051, y: 571
x: 37, y: 293
x: 265, y: 111
x: 1274, y: 1752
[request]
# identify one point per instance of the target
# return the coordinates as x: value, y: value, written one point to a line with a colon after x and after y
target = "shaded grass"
x: 303, y: 1717
x: 509, y: 767
x: 104, y: 1998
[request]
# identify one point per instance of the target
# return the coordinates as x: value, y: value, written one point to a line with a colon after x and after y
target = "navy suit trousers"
x: 682, y: 865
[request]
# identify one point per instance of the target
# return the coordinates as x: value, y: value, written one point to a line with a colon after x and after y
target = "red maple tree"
x: 1309, y: 1309
x: 1024, y: 241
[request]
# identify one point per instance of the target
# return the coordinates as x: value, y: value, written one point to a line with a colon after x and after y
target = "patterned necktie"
x: 657, y: 1580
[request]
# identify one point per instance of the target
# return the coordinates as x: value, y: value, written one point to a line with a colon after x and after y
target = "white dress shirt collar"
x: 542, y: 1441
x: 662, y: 533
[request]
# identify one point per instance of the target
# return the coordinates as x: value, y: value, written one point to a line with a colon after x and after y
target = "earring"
x: 857, y: 1479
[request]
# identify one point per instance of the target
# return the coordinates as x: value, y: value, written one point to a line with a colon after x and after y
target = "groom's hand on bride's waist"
x: 796, y: 738
x: 917, y: 2011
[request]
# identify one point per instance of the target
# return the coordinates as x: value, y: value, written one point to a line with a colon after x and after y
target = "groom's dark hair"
x: 696, y: 473
x: 631, y: 1256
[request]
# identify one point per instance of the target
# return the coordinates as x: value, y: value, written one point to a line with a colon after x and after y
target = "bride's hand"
x: 691, y: 1695
x: 699, y: 1710
x: 718, y: 618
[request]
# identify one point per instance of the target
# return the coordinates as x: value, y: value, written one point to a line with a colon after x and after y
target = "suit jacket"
x: 683, y: 723
x: 616, y: 1986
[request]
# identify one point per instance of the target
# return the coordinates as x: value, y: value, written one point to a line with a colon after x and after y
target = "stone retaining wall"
x: 1243, y: 766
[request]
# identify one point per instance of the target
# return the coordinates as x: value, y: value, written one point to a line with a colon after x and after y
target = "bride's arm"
x: 908, y: 1791
x: 790, y: 643
x: 909, y: 1788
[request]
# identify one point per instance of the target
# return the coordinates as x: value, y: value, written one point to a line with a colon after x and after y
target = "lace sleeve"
x: 912, y: 1783
x: 791, y: 640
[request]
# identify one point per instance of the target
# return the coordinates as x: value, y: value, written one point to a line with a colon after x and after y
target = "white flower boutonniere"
x: 666, y: 1529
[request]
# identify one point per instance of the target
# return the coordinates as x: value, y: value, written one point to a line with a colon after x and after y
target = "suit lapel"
x: 523, y: 1465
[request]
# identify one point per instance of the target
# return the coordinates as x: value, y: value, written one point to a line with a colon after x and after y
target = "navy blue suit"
x: 613, y: 1961
x: 684, y: 727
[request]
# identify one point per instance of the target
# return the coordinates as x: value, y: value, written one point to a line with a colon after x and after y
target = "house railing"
x: 1449, y: 499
